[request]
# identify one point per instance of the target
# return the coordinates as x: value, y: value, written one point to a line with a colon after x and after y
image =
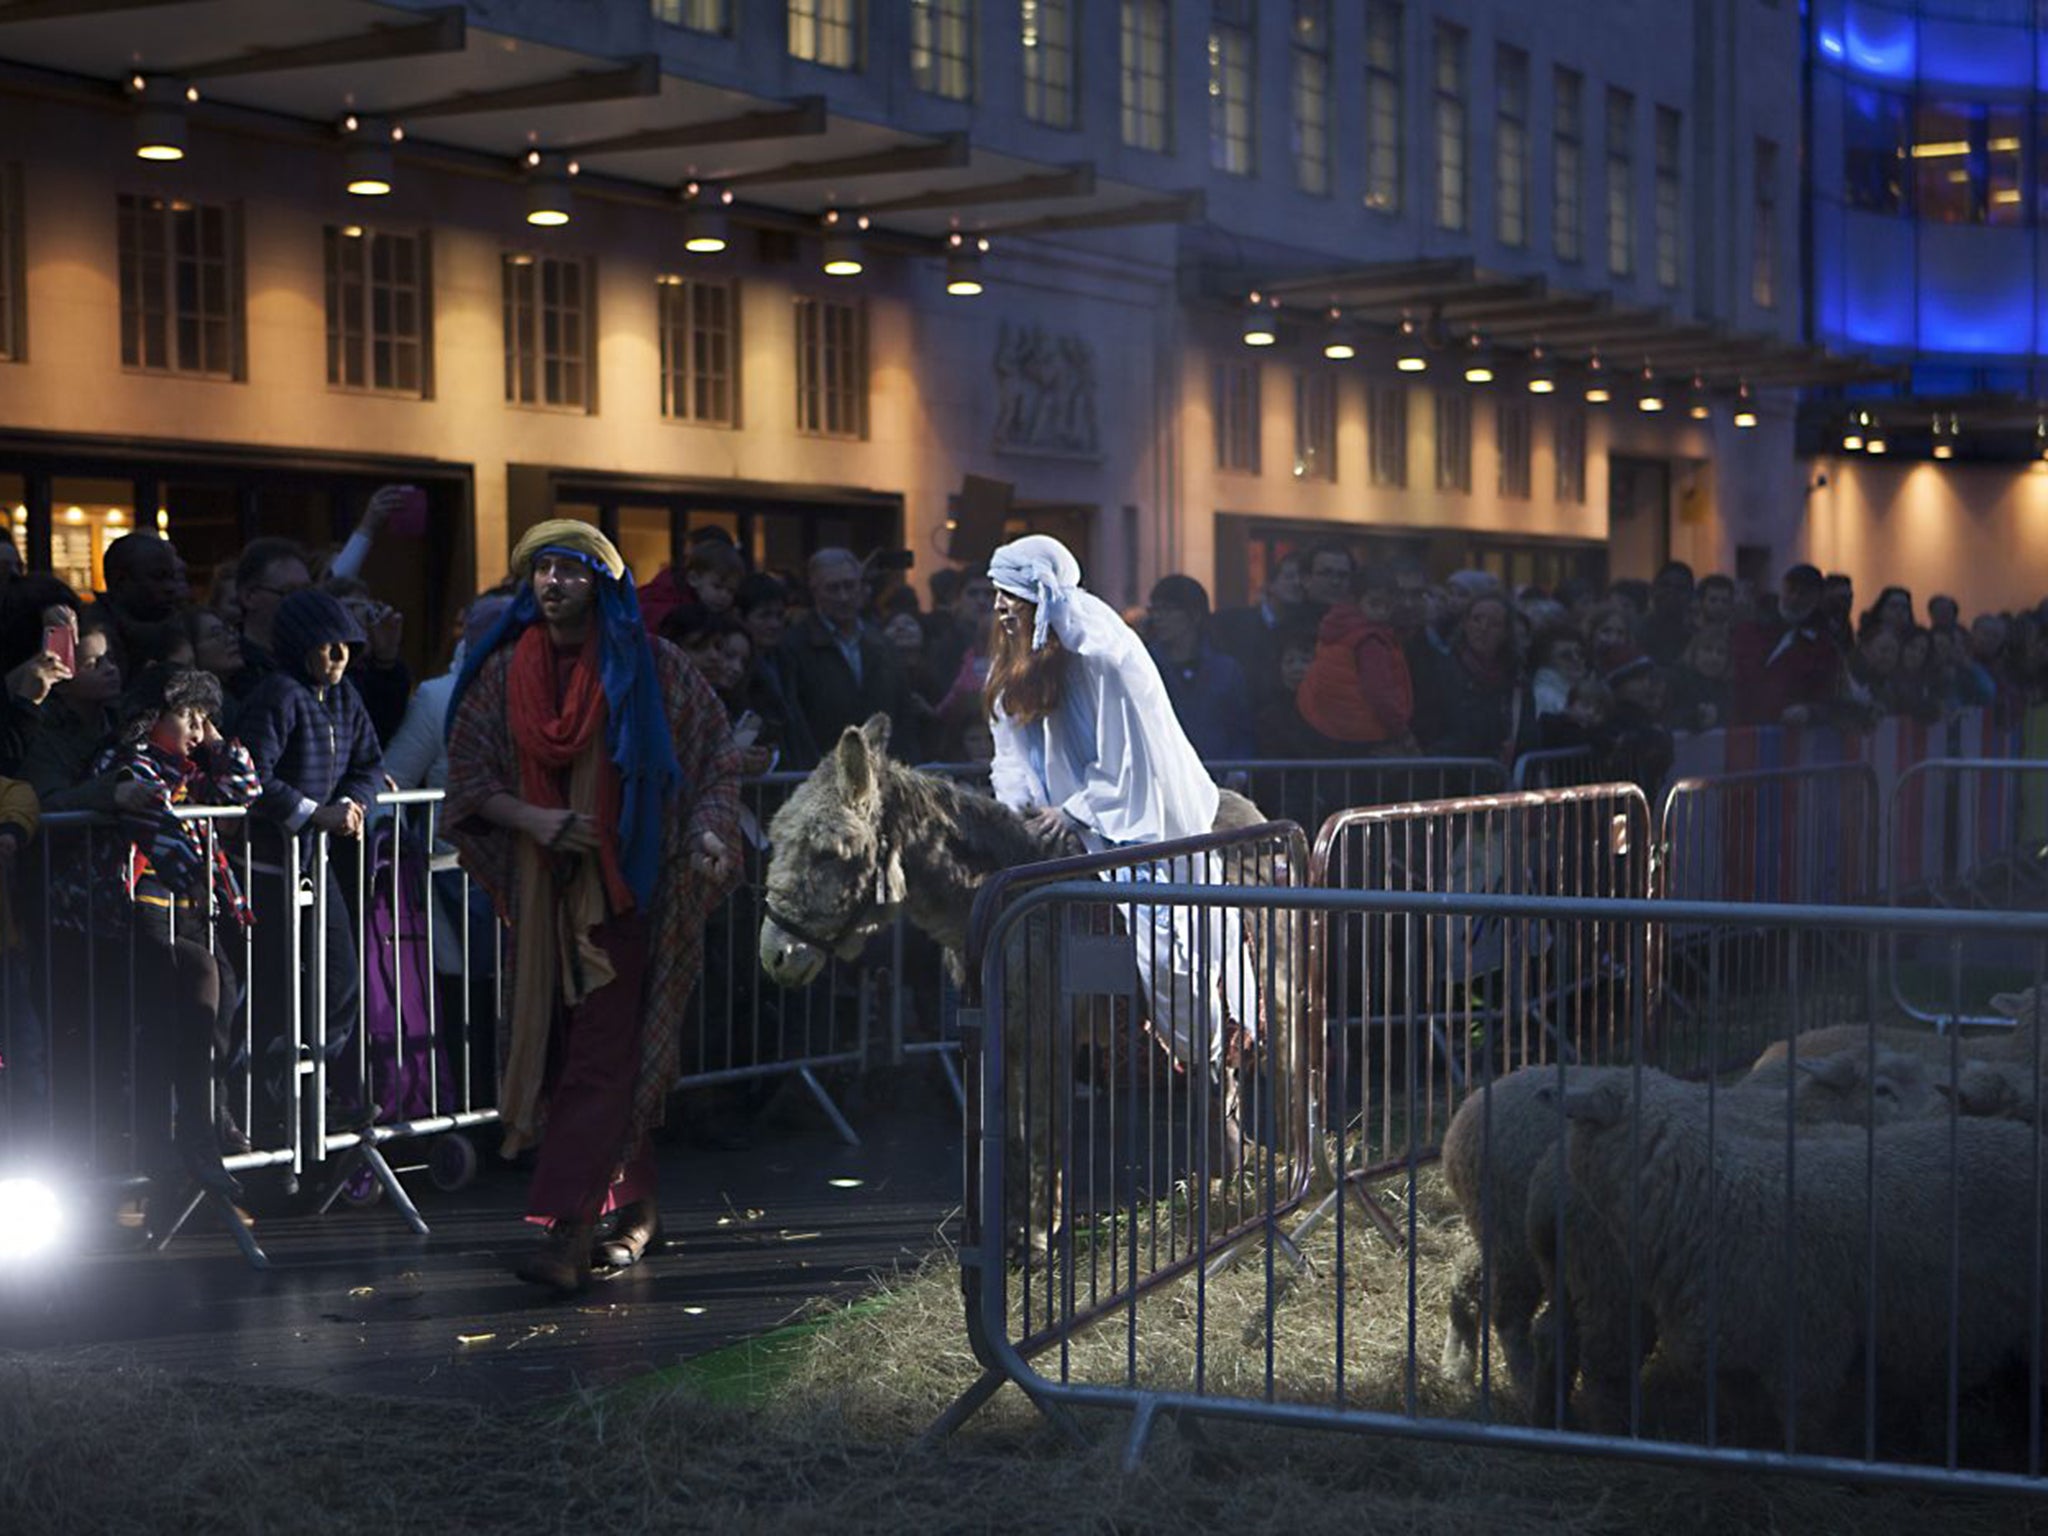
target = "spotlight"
x: 30, y: 1218
x: 1478, y: 367
x: 1341, y: 345
x: 842, y: 256
x: 160, y: 117
x: 1852, y: 440
x: 1944, y: 442
x: 1597, y: 390
x: 963, y: 265
x: 705, y: 230
x: 1698, y: 408
x: 1259, y: 330
x: 1877, y: 444
x: 1651, y: 399
x: 1542, y: 376
x: 1408, y: 355
x: 1944, y: 451
x: 549, y: 197
x: 1745, y: 408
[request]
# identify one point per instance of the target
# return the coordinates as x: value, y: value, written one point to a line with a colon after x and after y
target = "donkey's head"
x: 835, y: 875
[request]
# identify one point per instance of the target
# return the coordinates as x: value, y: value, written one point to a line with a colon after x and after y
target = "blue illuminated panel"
x: 1976, y: 290
x: 1878, y: 40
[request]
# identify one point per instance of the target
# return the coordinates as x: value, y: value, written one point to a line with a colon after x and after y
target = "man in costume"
x: 593, y: 789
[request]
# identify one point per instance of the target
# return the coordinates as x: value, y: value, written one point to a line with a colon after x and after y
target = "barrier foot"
x: 195, y: 1196
x: 846, y: 1132
x: 1143, y: 1417
x: 394, y: 1187
x: 963, y: 1407
x: 223, y: 1207
x: 953, y: 1080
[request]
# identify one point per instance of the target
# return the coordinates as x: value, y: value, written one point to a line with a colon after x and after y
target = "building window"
x: 1449, y: 77
x: 1512, y: 431
x: 1231, y: 104
x: 1142, y: 52
x: 1310, y: 108
x: 1237, y: 417
x: 1511, y: 145
x: 1315, y: 425
x: 1874, y: 149
x: 1763, y: 232
x: 700, y: 350
x: 548, y: 301
x: 378, y: 311
x: 826, y: 32
x: 1453, y: 441
x: 1567, y: 165
x: 713, y: 16
x: 181, y: 287
x: 13, y: 327
x: 1048, y: 27
x: 1571, y: 456
x: 942, y: 47
x: 1621, y: 213
x: 1670, y: 139
x: 1386, y: 430
x: 1383, y: 106
x: 831, y: 368
x: 1966, y: 160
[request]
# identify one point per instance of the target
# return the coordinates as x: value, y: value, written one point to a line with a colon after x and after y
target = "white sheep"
x: 1715, y: 1215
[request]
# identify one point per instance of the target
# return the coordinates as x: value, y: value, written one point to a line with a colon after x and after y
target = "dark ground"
x: 355, y: 1303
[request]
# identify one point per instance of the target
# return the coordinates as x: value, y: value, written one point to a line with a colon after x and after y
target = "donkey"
x: 866, y: 838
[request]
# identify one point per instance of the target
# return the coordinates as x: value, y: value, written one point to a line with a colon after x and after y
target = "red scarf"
x: 551, y: 736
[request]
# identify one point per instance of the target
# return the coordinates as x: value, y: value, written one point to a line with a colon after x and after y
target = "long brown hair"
x: 1025, y: 682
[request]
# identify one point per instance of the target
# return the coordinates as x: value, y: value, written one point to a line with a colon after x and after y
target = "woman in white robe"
x: 1109, y: 762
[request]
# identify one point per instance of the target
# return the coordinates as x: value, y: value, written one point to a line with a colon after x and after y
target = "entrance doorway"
x: 1638, y: 517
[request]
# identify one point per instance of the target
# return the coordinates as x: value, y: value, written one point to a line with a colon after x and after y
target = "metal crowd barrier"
x: 1307, y: 791
x: 1809, y: 835
x: 1859, y: 1301
x: 1142, y: 1084
x: 1970, y: 834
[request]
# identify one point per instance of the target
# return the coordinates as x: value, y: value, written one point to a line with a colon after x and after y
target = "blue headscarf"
x: 637, y: 731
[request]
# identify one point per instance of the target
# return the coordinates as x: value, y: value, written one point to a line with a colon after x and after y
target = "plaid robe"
x: 482, y: 762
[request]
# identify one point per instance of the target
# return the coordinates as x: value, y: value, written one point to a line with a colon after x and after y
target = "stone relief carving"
x: 1045, y: 392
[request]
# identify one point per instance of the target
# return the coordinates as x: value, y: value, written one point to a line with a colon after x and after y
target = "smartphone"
x: 747, y: 729
x: 61, y: 641
x: 409, y: 518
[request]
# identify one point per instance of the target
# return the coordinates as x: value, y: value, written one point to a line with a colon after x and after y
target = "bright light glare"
x: 30, y: 1218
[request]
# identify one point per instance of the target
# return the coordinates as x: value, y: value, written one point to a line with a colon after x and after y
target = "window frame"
x: 538, y: 382
x: 370, y: 241
x: 675, y: 13
x: 946, y: 72
x: 687, y: 376
x: 1567, y: 150
x: 809, y: 26
x: 1511, y: 145
x: 1386, y: 430
x: 1135, y: 51
x: 1568, y: 437
x: 13, y: 269
x: 1667, y: 214
x: 833, y: 373
x: 1763, y: 230
x: 1308, y: 97
x: 1041, y: 86
x: 1453, y: 440
x: 1450, y: 79
x: 1514, y: 439
x: 1621, y: 192
x: 1315, y: 425
x: 1233, y: 100
x: 132, y: 210
x: 1385, y: 89
x: 1238, y: 382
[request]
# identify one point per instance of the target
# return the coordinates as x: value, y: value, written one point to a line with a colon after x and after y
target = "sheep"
x: 1493, y: 1144
x: 1586, y: 1328
x: 2003, y: 1090
x: 1718, y: 1209
x: 1938, y: 1050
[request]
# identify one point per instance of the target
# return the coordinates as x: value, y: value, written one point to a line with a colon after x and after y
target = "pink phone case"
x: 409, y: 519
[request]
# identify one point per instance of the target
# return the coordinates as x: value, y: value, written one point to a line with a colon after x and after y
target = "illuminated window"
x: 13, y: 330
x: 942, y: 47
x: 1142, y: 47
x: 1966, y: 163
x: 1231, y: 99
x: 1665, y: 213
x: 826, y: 32
x: 1048, y: 39
x: 181, y: 287
x: 1310, y: 114
x: 1386, y: 431
x: 1453, y: 440
x: 1315, y: 425
x: 1621, y: 208
x: 1448, y: 76
x: 714, y: 16
x: 378, y: 311
x: 547, y: 331
x: 1567, y: 166
x: 1874, y: 150
x: 1763, y: 226
x: 1571, y: 456
x: 1383, y: 91
x: 831, y: 368
x: 700, y: 350
x: 1237, y: 417
x: 1511, y: 145
x: 1512, y: 437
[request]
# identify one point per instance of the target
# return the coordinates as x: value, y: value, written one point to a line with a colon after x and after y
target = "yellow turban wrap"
x: 566, y: 533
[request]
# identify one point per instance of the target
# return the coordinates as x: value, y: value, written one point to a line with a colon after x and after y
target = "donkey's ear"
x: 856, y: 768
x: 877, y: 733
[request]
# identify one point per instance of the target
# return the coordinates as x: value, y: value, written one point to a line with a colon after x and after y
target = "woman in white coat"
x: 1087, y: 744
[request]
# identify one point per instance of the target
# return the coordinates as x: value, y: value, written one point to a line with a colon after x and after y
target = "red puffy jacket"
x: 1357, y: 689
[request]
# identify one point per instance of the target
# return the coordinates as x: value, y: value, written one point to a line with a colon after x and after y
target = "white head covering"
x: 1041, y: 570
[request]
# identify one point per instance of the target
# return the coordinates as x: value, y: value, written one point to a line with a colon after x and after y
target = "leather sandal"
x: 638, y: 1230
x: 561, y: 1263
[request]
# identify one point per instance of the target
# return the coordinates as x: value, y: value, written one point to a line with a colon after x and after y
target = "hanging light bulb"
x: 1341, y: 344
x: 160, y: 129
x: 842, y: 257
x: 1597, y: 390
x: 1943, y: 448
x: 549, y: 197
x: 706, y: 230
x: 1745, y: 408
x: 1650, y: 400
x: 1408, y: 353
x: 963, y: 264
x: 1478, y: 366
x: 1258, y: 323
x: 1875, y: 443
x: 367, y: 164
x: 1697, y: 407
x: 1852, y: 440
x: 1542, y: 376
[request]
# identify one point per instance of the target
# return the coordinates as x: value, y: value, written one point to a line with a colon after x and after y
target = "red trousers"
x: 593, y: 1068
